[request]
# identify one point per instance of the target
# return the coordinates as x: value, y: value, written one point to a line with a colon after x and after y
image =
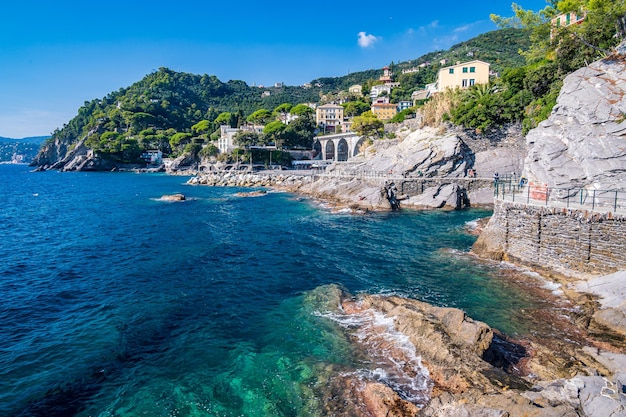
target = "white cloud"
x: 468, y: 26
x: 432, y: 25
x: 445, y: 42
x: 365, y: 40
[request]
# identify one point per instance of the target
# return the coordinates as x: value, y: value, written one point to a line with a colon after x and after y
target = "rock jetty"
x: 228, y: 179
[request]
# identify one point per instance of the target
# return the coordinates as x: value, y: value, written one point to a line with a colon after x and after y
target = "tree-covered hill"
x: 500, y: 48
x: 149, y: 113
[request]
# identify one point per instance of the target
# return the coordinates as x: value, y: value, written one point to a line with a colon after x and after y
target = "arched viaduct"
x: 339, y: 147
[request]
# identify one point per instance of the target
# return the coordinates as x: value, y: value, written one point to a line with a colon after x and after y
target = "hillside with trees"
x: 178, y: 112
x: 527, y: 93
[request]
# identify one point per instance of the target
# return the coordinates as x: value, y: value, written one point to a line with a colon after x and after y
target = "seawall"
x: 565, y: 240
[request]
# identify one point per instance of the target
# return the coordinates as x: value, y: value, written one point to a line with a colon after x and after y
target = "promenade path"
x: 599, y: 201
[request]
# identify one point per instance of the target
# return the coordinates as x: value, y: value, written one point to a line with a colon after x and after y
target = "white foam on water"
x: 472, y: 224
x: 392, y: 358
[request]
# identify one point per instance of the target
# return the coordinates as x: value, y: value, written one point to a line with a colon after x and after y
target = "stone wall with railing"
x: 556, y: 237
x: 407, y: 185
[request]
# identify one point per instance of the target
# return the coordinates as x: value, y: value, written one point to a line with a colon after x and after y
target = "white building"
x: 225, y: 142
x: 377, y: 90
x: 153, y: 157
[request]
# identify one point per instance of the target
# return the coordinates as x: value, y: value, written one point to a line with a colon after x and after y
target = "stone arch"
x: 317, y: 148
x: 357, y: 146
x: 330, y: 150
x: 343, y: 151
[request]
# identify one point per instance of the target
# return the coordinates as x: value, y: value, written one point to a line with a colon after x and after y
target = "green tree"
x: 180, y: 139
x: 282, y: 109
x: 355, y: 108
x: 223, y: 118
x: 273, y: 131
x: 299, y: 133
x: 302, y: 110
x: 368, y: 125
x: 209, y: 151
x: 261, y: 116
x: 201, y: 127
x: 246, y: 139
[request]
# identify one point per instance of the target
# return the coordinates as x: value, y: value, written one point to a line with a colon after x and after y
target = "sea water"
x: 116, y: 303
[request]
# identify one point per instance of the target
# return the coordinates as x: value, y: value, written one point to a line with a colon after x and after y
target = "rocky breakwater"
x: 422, y: 360
x: 233, y: 179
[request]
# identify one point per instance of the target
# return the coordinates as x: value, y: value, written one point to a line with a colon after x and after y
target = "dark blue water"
x: 117, y: 304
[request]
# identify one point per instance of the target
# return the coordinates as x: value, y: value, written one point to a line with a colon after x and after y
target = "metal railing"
x: 571, y: 198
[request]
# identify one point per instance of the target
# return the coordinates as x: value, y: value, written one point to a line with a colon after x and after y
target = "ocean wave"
x: 389, y: 356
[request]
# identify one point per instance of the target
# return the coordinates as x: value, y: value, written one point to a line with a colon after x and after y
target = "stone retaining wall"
x: 556, y: 238
x: 413, y: 187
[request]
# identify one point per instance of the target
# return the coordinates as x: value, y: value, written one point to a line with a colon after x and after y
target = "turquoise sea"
x: 115, y: 303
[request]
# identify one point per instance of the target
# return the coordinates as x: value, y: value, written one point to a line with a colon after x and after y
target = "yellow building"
x: 356, y: 89
x: 384, y: 111
x: 463, y: 75
x: 329, y: 117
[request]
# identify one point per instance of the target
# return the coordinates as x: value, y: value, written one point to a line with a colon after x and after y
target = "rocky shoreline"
x: 471, y: 369
x: 570, y: 366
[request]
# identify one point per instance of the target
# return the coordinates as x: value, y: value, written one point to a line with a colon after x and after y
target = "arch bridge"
x: 338, y: 147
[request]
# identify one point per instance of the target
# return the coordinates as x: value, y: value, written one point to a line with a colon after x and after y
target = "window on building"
x: 472, y: 82
x: 472, y: 69
x: 451, y: 71
x: 464, y: 69
x: 567, y: 19
x: 464, y: 83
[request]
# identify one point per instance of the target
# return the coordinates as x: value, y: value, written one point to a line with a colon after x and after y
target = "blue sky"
x: 55, y: 55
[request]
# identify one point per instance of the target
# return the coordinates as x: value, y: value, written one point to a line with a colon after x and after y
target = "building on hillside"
x: 381, y: 100
x: 410, y: 70
x: 226, y: 144
x: 152, y: 157
x: 386, y: 77
x: 419, y: 95
x: 424, y: 94
x: 463, y: 75
x: 356, y: 89
x: 385, y: 111
x: 566, y: 19
x: 379, y: 89
x: 404, y: 104
x: 329, y: 117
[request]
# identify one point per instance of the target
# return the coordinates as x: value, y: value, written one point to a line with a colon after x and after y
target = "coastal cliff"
x: 578, y: 152
x: 582, y: 142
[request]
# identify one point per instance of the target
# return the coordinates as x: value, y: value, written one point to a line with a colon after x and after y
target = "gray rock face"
x: 583, y: 143
x: 424, y: 152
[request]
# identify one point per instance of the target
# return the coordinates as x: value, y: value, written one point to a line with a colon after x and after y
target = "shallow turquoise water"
x: 116, y: 303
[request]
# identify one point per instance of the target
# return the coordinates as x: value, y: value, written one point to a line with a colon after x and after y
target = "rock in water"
x: 173, y: 197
